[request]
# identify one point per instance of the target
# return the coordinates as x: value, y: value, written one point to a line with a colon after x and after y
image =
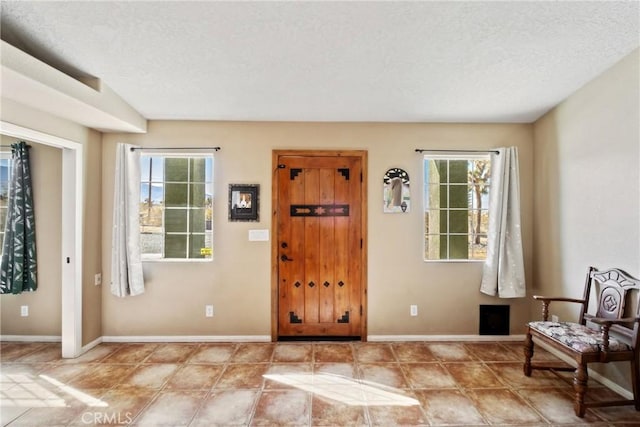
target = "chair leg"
x: 580, y: 387
x: 528, y: 354
x: 635, y: 379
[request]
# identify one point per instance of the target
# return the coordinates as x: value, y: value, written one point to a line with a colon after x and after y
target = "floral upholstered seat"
x: 578, y: 337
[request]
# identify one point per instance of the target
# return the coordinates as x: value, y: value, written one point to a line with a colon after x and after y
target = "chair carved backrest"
x: 614, y: 288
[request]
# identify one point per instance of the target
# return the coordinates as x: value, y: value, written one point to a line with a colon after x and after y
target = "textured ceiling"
x: 331, y: 61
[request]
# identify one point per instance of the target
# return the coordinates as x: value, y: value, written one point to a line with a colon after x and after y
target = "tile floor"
x: 301, y: 384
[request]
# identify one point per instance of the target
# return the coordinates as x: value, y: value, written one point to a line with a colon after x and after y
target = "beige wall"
x: 587, y: 200
x: 237, y: 282
x: 51, y: 161
x: 45, y: 303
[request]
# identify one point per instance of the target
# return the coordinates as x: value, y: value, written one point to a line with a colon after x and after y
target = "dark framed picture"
x: 244, y: 202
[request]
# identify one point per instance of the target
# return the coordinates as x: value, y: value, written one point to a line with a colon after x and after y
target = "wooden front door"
x: 319, y: 248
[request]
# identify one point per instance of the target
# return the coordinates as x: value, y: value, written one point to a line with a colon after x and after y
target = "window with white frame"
x: 456, y: 206
x: 176, y: 206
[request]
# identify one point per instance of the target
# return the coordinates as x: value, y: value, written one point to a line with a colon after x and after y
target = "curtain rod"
x: 421, y: 150
x: 173, y: 148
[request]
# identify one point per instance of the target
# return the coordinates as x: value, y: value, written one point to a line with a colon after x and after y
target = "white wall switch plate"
x: 258, y: 235
x: 24, y: 310
x: 208, y: 311
x: 97, y: 279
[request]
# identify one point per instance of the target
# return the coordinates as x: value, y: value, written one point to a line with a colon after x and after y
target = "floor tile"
x: 283, y: 408
x: 428, y: 375
x: 556, y: 405
x: 195, y: 377
x: 449, y: 407
x: 212, y: 353
x: 95, y: 355
x: 226, y: 408
x: 383, y: 373
x: 102, y: 376
x: 150, y: 375
x: 503, y: 406
x: 323, y: 353
x: 473, y: 375
x: 133, y: 353
x: 10, y: 351
x: 172, y: 353
x: 494, y: 352
x: 325, y: 412
x: 242, y: 376
x: 46, y: 353
x: 413, y: 352
x: 511, y: 374
x: 65, y: 372
x: 374, y: 353
x: 293, y: 353
x: 171, y: 409
x: 253, y: 353
x: 276, y: 376
x: 123, y: 406
x: 450, y: 352
x: 344, y: 369
x: 396, y: 416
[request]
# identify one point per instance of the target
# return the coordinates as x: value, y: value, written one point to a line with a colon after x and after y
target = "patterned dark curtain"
x: 18, y: 268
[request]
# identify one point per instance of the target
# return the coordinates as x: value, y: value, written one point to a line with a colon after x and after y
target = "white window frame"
x: 447, y: 156
x: 188, y: 155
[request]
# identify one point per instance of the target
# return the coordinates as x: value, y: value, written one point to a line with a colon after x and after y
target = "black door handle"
x: 285, y: 258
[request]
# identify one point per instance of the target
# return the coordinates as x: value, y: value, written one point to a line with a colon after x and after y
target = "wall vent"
x: 494, y: 319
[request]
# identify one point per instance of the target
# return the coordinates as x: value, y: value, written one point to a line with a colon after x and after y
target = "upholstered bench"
x: 606, y: 336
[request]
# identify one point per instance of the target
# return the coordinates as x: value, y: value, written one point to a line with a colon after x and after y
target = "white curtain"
x: 126, y: 265
x: 503, y: 273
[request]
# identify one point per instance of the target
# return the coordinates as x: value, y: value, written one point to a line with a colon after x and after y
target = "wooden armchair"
x: 606, y: 336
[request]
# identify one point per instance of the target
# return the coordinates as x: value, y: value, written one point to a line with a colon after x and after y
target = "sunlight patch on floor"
x: 345, y: 390
x: 22, y: 390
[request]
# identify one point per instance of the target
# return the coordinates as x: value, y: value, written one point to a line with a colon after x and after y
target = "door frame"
x: 72, y: 230
x: 275, y: 161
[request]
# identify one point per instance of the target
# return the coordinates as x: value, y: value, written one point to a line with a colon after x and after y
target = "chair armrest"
x: 547, y: 300
x: 543, y: 298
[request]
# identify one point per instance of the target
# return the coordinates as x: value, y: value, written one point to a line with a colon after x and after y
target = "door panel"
x: 319, y: 245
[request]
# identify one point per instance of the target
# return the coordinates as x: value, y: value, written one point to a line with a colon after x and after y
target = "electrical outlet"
x: 413, y: 309
x: 208, y: 311
x: 97, y: 279
x: 555, y: 318
x: 24, y: 310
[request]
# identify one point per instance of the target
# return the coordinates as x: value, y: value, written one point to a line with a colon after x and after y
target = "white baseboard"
x: 627, y: 394
x: 31, y: 338
x: 92, y: 344
x: 188, y: 338
x: 448, y: 338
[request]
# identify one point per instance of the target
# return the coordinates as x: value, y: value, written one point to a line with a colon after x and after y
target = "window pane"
x: 197, y: 195
x: 458, y: 247
x: 458, y: 222
x: 196, y: 220
x: 175, y: 220
x: 176, y: 195
x: 458, y: 196
x: 197, y: 243
x: 176, y: 169
x: 175, y: 246
x: 151, y: 243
